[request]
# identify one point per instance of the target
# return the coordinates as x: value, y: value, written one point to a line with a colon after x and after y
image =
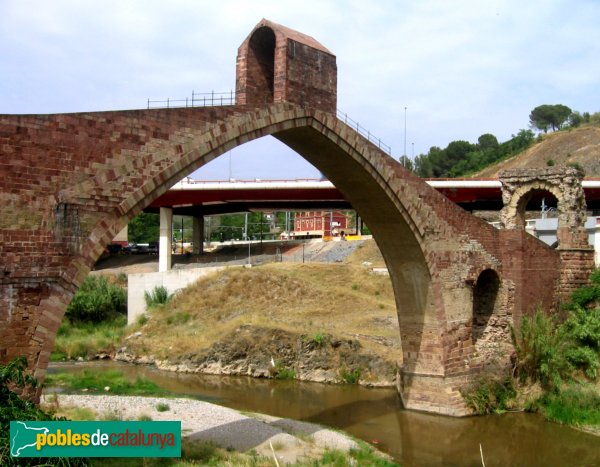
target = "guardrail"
x: 364, y: 132
x: 204, y: 99
x: 211, y: 99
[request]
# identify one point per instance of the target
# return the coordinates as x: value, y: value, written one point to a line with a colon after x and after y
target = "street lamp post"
x: 405, y: 130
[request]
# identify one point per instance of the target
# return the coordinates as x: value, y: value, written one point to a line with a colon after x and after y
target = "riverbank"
x: 322, y: 322
x: 374, y: 415
x: 289, y: 440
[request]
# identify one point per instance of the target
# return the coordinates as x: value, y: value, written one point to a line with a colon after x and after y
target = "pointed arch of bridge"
x: 353, y: 165
x: 388, y: 198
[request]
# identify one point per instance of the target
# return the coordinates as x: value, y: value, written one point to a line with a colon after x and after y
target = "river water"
x: 377, y: 416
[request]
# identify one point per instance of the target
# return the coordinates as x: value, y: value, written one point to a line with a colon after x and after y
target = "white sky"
x: 462, y: 68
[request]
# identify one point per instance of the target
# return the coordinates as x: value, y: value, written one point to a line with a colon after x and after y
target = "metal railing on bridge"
x: 364, y: 132
x: 211, y: 99
x: 202, y: 99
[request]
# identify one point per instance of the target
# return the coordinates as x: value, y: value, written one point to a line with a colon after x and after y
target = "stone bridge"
x: 70, y: 182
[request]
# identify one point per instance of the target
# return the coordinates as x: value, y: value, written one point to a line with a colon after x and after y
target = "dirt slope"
x: 321, y: 321
x: 580, y: 145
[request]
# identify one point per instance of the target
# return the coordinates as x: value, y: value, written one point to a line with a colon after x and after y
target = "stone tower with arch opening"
x: 277, y: 64
x: 564, y: 184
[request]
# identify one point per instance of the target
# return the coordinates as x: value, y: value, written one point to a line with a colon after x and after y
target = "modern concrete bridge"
x: 70, y: 182
x: 204, y: 197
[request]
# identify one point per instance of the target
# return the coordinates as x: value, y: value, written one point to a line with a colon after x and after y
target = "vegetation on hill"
x: 310, y: 311
x: 461, y: 158
x: 579, y: 147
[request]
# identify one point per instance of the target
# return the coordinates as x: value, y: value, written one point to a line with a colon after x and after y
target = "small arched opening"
x: 261, y: 66
x: 538, y: 214
x: 485, y: 299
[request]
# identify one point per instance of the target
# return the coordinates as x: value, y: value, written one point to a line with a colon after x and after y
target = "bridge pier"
x: 165, y: 244
x: 198, y: 234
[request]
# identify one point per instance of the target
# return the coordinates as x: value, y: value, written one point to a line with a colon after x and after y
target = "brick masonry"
x: 70, y: 182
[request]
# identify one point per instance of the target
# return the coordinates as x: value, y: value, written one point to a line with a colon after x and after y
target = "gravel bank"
x: 228, y: 428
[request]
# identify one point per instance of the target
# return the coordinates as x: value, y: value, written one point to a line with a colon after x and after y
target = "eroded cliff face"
x: 275, y: 353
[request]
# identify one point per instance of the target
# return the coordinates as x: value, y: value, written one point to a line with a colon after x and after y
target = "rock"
x: 250, y: 350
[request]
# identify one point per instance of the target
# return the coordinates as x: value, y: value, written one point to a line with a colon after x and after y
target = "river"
x: 376, y: 416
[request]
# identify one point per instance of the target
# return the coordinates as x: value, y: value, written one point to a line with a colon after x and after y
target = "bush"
x: 488, y: 396
x: 97, y: 300
x: 283, y: 373
x: 351, y: 377
x: 574, y: 405
x: 14, y: 376
x: 581, y: 334
x: 539, y: 352
x: 163, y: 407
x: 585, y: 296
x: 552, y: 354
x: 158, y: 296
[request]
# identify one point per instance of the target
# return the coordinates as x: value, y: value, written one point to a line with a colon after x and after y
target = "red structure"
x: 321, y: 223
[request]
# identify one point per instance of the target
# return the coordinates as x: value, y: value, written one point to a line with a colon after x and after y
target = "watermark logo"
x: 95, y: 439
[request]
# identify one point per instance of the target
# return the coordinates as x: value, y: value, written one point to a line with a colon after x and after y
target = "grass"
x: 575, y: 404
x: 313, y: 299
x: 96, y: 382
x: 162, y: 407
x: 488, y: 396
x: 86, y: 339
x: 351, y: 376
x: 283, y: 373
x: 206, y: 453
x: 158, y: 296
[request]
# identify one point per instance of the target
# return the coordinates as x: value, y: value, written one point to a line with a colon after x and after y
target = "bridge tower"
x: 277, y: 64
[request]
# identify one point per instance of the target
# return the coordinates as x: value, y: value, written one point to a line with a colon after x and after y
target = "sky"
x: 445, y: 70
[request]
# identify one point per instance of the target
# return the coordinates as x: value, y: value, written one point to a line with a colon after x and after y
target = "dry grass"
x: 367, y: 252
x: 580, y: 145
x: 340, y: 299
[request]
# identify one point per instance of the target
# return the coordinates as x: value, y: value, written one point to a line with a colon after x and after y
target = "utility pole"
x: 405, y: 131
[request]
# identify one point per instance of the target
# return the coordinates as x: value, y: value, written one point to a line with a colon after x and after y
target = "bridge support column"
x: 165, y: 248
x: 198, y: 235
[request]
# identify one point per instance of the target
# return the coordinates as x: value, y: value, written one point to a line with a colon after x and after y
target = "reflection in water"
x: 376, y: 415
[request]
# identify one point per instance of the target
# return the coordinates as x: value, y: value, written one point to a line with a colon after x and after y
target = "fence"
x: 211, y: 99
x: 206, y: 99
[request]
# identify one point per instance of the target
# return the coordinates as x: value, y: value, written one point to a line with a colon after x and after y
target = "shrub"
x: 283, y: 373
x: 319, y: 339
x: 158, y: 296
x: 581, y: 334
x: 162, y: 407
x: 488, y: 396
x: 352, y: 376
x: 14, y: 376
x: 550, y: 162
x: 97, y: 300
x: 551, y: 354
x: 585, y: 296
x: 539, y: 352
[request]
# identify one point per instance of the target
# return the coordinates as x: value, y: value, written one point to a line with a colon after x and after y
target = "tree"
x: 487, y: 142
x: 144, y: 228
x: 546, y: 116
x: 406, y: 163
